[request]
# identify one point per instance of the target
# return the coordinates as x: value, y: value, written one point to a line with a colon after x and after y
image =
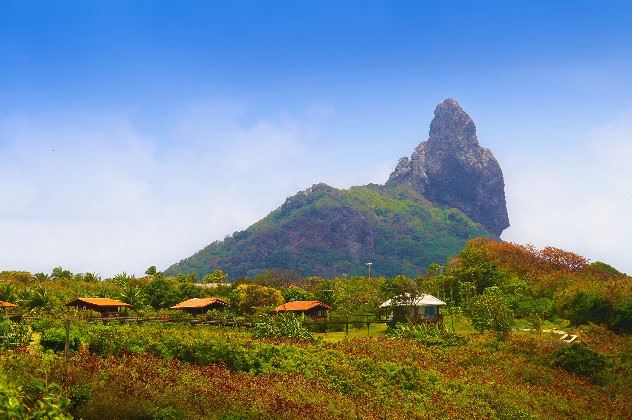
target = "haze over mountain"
x: 449, y: 191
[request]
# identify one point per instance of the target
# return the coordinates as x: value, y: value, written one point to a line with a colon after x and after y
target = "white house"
x: 423, y: 307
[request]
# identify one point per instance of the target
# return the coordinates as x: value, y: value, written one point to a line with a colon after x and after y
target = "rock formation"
x: 451, y: 169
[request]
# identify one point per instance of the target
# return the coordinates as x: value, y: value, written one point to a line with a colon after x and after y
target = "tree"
x: 59, y: 273
x: 491, y: 312
x: 246, y: 298
x: 37, y: 297
x: 585, y: 308
x: 8, y: 292
x: 186, y: 278
x: 160, y: 293
x: 41, y: 276
x: 133, y: 295
x: 294, y: 293
x: 91, y: 278
x: 621, y: 321
x: 471, y: 266
x: 151, y: 270
x: 217, y: 276
x: 121, y: 279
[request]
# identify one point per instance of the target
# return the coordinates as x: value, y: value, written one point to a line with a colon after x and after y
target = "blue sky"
x: 134, y: 133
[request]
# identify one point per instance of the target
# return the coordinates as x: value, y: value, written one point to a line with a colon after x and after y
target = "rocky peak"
x: 452, y: 126
x: 451, y: 169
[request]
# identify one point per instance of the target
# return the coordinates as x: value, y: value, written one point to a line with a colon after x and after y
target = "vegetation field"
x: 492, y: 356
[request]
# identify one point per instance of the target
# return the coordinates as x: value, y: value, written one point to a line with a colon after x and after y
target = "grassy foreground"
x: 177, y: 371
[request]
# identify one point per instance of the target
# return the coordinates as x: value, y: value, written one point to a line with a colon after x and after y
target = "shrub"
x: 428, y: 334
x: 15, y: 405
x: 621, y: 321
x: 585, y: 308
x: 55, y: 339
x: 582, y: 361
x: 490, y: 311
x: 282, y: 325
x: 13, y: 333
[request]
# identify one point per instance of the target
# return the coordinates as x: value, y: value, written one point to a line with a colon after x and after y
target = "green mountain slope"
x: 327, y: 232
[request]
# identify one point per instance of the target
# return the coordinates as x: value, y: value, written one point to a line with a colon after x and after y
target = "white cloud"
x: 579, y: 200
x: 96, y: 194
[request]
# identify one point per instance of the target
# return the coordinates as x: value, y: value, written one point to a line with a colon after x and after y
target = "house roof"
x: 199, y: 303
x: 4, y: 304
x: 101, y: 302
x: 300, y: 306
x: 406, y: 300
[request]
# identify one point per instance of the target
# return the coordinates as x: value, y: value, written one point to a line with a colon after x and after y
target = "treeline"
x: 493, y: 282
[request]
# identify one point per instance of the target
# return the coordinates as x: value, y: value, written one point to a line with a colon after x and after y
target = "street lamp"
x: 369, y: 264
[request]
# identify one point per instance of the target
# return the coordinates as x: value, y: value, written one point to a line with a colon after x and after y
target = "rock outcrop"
x: 451, y: 169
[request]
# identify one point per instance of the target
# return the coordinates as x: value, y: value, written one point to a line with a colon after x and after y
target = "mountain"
x: 449, y: 191
x: 452, y: 170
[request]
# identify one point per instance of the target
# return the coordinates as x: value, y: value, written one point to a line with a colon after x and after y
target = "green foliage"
x: 60, y: 273
x: 581, y: 360
x: 13, y: 334
x: 151, y: 270
x: 282, y: 326
x: 606, y: 269
x: 133, y: 295
x: 14, y: 404
x: 160, y: 293
x: 55, y: 339
x: 294, y: 293
x: 8, y: 292
x: 472, y: 267
x: 246, y: 298
x: 407, y: 234
x: 585, y: 308
x: 491, y: 312
x: 427, y: 334
x: 217, y: 276
x: 36, y: 297
x: 621, y: 320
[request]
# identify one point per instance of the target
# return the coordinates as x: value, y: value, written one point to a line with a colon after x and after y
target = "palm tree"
x: 133, y: 295
x: 37, y: 297
x: 8, y: 292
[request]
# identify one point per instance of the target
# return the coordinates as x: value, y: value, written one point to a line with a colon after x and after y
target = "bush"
x: 582, y: 361
x: 55, y: 339
x: 13, y: 333
x: 490, y: 311
x: 282, y: 325
x: 585, y: 308
x: 49, y: 405
x: 621, y: 321
x: 428, y: 334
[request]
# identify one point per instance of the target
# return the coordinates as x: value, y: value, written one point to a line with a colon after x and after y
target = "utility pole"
x: 369, y: 264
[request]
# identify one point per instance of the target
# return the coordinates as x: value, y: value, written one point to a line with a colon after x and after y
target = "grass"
x: 376, y: 330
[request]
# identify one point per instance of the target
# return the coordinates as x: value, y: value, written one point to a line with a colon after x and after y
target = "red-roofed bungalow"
x: 102, y: 305
x: 311, y: 308
x: 197, y: 306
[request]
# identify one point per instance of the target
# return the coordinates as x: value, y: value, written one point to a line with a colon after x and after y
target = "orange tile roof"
x: 103, y: 302
x: 301, y: 305
x: 4, y: 304
x: 199, y: 303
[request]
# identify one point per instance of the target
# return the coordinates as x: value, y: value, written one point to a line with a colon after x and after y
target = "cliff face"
x: 451, y: 169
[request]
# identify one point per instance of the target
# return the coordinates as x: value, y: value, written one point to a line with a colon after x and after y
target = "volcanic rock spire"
x: 451, y: 169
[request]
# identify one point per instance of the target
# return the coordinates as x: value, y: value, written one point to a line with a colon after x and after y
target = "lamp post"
x: 369, y: 264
